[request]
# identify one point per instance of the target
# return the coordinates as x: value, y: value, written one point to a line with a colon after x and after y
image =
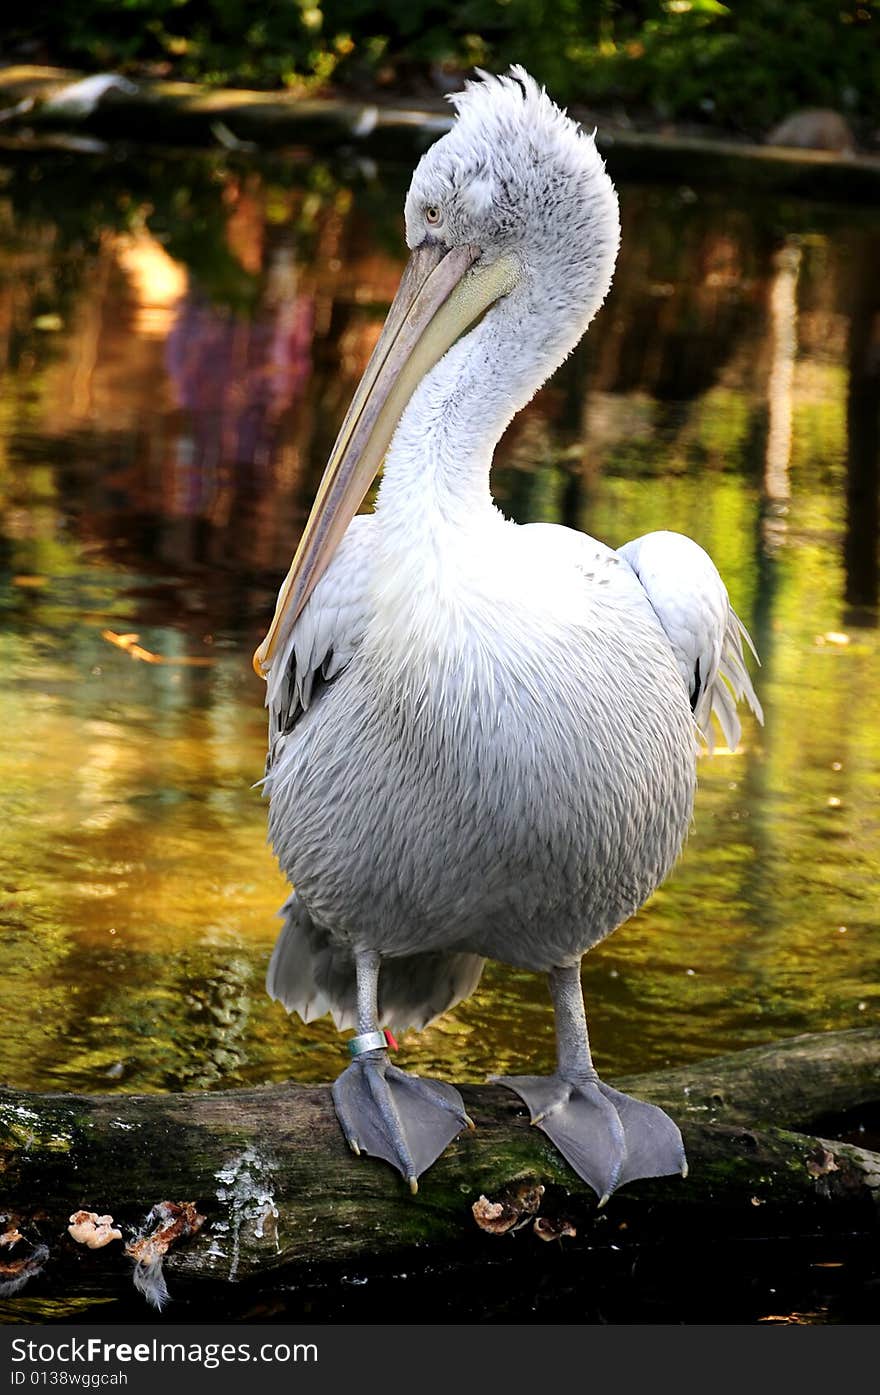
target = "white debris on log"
x: 81, y: 98
x: 246, y: 1189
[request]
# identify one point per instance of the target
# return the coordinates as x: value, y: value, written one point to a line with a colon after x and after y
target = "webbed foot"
x: 607, y: 1137
x: 399, y: 1117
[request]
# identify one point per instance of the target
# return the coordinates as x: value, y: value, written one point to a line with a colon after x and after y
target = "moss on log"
x: 280, y: 1192
x: 797, y: 1081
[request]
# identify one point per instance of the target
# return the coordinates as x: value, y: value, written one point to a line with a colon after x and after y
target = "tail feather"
x: 311, y: 975
x: 291, y: 977
x: 732, y: 684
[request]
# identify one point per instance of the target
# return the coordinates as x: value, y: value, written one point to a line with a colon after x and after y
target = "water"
x: 180, y: 337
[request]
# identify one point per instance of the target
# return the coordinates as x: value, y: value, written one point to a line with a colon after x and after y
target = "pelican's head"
x: 519, y: 180
x: 511, y: 208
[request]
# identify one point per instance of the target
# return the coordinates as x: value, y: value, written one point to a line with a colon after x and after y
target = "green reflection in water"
x: 180, y: 343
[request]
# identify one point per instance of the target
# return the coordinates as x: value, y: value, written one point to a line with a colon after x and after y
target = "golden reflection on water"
x: 168, y: 403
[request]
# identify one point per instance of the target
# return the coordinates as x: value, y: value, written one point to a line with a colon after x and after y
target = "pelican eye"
x: 432, y: 214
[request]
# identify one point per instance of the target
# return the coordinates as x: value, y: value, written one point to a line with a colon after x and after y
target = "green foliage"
x: 216, y: 41
x: 748, y: 65
x: 743, y: 66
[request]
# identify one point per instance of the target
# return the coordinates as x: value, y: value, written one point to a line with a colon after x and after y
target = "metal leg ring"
x: 367, y: 1041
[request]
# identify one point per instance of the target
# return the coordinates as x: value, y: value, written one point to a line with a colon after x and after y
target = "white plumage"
x: 705, y: 633
x: 482, y: 736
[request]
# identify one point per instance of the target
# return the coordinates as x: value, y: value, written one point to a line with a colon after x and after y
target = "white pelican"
x: 482, y: 736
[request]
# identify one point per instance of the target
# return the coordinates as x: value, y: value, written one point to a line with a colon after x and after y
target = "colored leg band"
x: 367, y: 1041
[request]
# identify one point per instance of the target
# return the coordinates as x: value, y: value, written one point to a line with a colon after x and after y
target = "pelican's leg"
x: 607, y: 1137
x: 383, y: 1110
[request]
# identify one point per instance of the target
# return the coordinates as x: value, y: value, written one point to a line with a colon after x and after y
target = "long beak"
x: 442, y: 292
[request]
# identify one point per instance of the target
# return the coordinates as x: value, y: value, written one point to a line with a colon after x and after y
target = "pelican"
x: 482, y: 736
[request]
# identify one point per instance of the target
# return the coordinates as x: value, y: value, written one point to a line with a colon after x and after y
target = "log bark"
x: 281, y: 1194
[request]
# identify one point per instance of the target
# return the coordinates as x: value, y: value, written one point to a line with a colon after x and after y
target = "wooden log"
x: 181, y: 112
x: 796, y: 1082
x: 280, y: 1192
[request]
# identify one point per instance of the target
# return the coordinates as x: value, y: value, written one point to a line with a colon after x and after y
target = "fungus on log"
x: 260, y: 1187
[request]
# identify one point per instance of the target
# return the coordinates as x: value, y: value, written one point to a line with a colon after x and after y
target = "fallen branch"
x: 280, y: 1192
x: 52, y: 100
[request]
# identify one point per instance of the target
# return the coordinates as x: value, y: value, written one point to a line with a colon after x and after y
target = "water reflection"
x: 179, y: 341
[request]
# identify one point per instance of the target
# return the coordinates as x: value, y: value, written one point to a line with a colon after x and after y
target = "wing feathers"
x: 706, y: 635
x: 324, y: 639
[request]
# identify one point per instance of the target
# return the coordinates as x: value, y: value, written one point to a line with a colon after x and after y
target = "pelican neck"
x: 436, y: 475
